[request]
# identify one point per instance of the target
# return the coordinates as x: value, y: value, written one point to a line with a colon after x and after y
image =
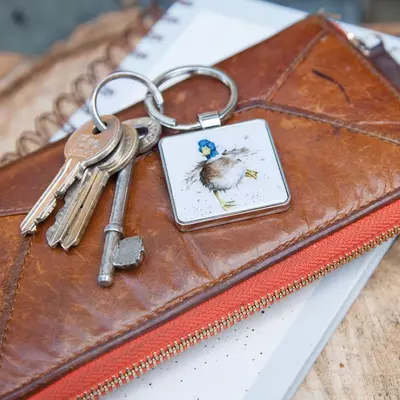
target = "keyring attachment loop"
x: 153, y: 92
x: 205, y: 119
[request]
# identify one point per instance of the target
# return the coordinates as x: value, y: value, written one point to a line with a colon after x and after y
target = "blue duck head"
x: 207, y: 148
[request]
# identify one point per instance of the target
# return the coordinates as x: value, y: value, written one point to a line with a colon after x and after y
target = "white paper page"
x: 226, y: 365
x: 311, y: 331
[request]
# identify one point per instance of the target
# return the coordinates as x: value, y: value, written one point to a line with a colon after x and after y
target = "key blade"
x: 61, y: 212
x: 74, y: 199
x: 48, y: 200
x: 114, y: 230
x: 79, y: 224
x: 83, y: 148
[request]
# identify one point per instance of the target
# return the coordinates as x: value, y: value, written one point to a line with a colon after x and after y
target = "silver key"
x: 71, y: 193
x: 83, y: 148
x: 74, y: 199
x: 128, y: 252
x: 117, y: 161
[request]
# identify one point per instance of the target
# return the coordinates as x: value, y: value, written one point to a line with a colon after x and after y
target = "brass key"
x: 99, y: 179
x: 60, y: 229
x: 76, y: 195
x: 74, y: 199
x: 68, y: 198
x: 83, y: 148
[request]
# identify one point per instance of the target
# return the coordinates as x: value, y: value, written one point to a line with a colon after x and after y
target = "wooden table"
x: 362, y: 358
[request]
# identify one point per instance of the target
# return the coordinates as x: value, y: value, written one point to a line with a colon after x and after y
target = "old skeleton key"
x: 124, y: 153
x: 128, y: 252
x: 83, y: 148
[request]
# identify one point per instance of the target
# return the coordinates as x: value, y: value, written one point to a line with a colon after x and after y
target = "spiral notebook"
x: 298, y: 327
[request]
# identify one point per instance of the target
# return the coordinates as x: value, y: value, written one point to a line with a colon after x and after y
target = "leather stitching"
x: 291, y: 68
x: 327, y: 25
x: 14, y: 209
x: 276, y: 107
x: 292, y: 111
x: 12, y: 290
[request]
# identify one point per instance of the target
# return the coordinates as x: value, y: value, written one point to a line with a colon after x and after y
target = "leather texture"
x: 335, y: 122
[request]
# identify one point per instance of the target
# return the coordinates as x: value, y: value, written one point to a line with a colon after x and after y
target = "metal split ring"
x: 186, y: 72
x: 153, y: 92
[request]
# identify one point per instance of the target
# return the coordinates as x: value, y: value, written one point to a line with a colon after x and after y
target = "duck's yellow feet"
x: 226, y: 205
x: 251, y: 174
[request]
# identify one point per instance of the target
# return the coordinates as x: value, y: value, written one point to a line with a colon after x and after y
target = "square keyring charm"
x: 223, y: 174
x: 220, y: 174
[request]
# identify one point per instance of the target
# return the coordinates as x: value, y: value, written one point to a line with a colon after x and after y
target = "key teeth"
x: 49, y: 234
x: 49, y: 210
x: 53, y: 229
x: 27, y: 227
x: 31, y: 230
x: 51, y: 240
x: 32, y: 227
x: 67, y: 246
x: 63, y: 190
x: 52, y: 243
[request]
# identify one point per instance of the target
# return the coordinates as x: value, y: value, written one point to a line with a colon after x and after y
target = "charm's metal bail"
x: 209, y: 120
x: 205, y: 120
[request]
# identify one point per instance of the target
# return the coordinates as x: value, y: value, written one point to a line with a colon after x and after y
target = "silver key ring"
x: 189, y: 71
x: 153, y: 91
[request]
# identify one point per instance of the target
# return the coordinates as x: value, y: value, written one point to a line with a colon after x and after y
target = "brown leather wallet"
x: 335, y: 122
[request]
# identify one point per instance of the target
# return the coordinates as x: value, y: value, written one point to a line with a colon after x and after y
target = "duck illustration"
x: 220, y: 171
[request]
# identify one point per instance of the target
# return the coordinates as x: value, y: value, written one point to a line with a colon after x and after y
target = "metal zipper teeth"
x: 230, y: 319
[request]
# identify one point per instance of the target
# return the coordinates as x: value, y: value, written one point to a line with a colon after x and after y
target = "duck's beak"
x: 205, y: 151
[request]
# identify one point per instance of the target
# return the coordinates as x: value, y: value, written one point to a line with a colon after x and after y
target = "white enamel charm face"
x: 223, y: 174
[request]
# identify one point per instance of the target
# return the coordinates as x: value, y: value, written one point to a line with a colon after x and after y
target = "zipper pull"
x: 361, y: 45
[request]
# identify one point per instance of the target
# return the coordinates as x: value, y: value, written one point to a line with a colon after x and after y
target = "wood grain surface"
x: 362, y: 358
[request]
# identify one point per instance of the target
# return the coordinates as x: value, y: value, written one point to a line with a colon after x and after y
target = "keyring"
x: 189, y: 71
x: 153, y: 91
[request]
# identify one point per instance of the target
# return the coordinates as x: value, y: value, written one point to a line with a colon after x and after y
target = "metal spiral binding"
x: 67, y: 103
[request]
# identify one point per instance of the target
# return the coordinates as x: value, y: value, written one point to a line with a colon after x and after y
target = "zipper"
x: 228, y: 320
x: 359, y: 44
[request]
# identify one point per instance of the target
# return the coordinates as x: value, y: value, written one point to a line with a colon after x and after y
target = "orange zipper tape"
x: 137, y: 356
